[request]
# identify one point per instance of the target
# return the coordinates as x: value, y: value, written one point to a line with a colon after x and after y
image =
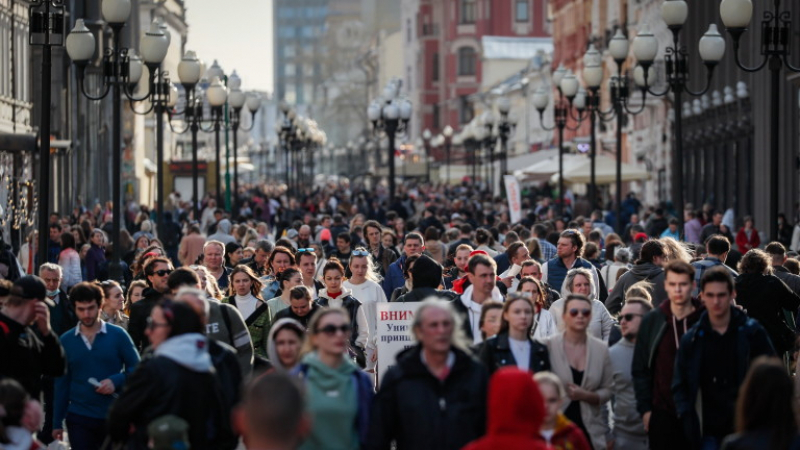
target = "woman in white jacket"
x: 70, y: 262
x: 364, y: 285
x: 579, y: 281
x: 543, y: 324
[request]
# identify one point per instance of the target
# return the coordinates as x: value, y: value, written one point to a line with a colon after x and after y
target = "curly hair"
x: 756, y: 261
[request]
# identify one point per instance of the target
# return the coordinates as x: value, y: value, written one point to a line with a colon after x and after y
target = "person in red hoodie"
x: 515, y: 413
x: 558, y: 432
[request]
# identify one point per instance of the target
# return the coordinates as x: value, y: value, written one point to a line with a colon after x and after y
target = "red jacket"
x: 745, y: 244
x: 568, y: 436
x: 515, y: 413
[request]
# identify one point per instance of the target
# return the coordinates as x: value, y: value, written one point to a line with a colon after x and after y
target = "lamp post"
x: 645, y: 46
x: 237, y: 100
x: 775, y: 48
x: 504, y: 128
x: 46, y: 19
x: 426, y: 142
x: 118, y: 75
x: 448, y: 141
x: 390, y: 115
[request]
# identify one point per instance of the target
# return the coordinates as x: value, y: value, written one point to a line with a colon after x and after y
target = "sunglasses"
x: 162, y: 272
x: 331, y: 330
x: 584, y: 312
x: 629, y: 317
x: 305, y: 250
x: 360, y: 253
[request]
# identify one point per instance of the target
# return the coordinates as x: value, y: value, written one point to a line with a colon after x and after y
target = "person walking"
x: 214, y: 261
x: 335, y: 295
x: 288, y: 279
x: 515, y: 415
x: 654, y: 357
x: 757, y: 283
x: 422, y: 402
x: 513, y: 345
x: 568, y: 256
x: 481, y: 273
x: 712, y: 362
x: 187, y: 386
x: 339, y: 394
x: 582, y: 363
x: 245, y: 294
x: 557, y: 431
x: 156, y: 271
x: 652, y: 257
x: 717, y: 249
x: 70, y: 261
x: 301, y: 309
x: 578, y: 281
x: 628, y: 432
x: 364, y: 285
x: 285, y: 344
x: 747, y: 238
x: 95, y: 350
x: 765, y: 409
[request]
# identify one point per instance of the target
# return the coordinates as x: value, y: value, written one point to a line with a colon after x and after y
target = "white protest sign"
x: 514, y: 198
x: 394, y: 332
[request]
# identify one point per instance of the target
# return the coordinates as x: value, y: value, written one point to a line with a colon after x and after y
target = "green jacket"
x: 258, y: 325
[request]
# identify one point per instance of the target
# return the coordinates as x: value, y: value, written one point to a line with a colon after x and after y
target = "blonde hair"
x: 569, y: 281
x: 553, y: 380
x: 675, y: 251
x: 372, y: 271
x: 640, y: 289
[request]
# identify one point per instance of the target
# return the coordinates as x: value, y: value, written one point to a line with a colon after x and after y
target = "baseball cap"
x: 29, y: 286
x: 169, y: 433
x: 292, y: 233
x: 641, y: 236
x: 325, y: 235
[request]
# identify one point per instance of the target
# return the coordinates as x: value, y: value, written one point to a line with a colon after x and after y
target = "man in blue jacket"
x: 412, y: 245
x: 99, y: 358
x: 713, y: 358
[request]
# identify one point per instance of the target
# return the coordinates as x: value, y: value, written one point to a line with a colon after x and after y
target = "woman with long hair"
x: 244, y: 293
x: 338, y: 394
x: 364, y: 285
x: 288, y: 279
x: 583, y: 364
x: 579, y: 281
x: 207, y: 282
x: 114, y: 304
x: 336, y: 295
x: 766, y: 410
x: 279, y: 260
x: 151, y: 251
x: 96, y: 255
x: 513, y: 345
x: 70, y: 262
x: 543, y: 324
x: 134, y: 294
x: 140, y: 244
x: 233, y: 254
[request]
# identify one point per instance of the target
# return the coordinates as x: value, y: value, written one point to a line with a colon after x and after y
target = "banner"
x: 394, y: 332
x: 514, y: 198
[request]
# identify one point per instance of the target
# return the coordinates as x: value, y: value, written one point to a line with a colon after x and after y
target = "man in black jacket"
x: 28, y: 346
x: 426, y: 277
x: 713, y: 358
x: 435, y: 396
x: 156, y: 271
x: 777, y: 251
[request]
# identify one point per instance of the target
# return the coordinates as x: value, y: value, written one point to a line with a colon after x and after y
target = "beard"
x: 89, y: 323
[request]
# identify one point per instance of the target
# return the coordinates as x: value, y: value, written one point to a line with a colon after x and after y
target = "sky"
x: 238, y: 34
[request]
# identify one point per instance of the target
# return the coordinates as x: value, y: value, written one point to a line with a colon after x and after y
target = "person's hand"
x: 42, y: 318
x: 58, y: 435
x: 374, y: 356
x: 576, y: 392
x: 106, y: 387
x: 507, y: 281
x: 646, y: 420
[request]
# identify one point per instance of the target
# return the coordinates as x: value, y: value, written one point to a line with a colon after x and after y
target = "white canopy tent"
x: 579, y: 171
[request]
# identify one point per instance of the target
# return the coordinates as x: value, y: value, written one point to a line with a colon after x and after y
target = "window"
x: 289, y: 51
x: 465, y: 111
x: 286, y: 13
x: 289, y: 70
x: 466, y: 61
x: 521, y: 10
x: 286, y: 32
x: 408, y: 30
x: 436, y: 119
x: 467, y: 10
x: 435, y: 67
x: 307, y: 32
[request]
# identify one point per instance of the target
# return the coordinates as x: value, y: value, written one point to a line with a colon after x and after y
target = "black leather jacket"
x: 496, y: 353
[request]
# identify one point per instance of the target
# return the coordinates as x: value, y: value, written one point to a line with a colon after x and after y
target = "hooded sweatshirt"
x: 333, y: 405
x: 272, y: 351
x: 515, y: 413
x: 223, y: 233
x: 654, y: 274
x: 189, y: 350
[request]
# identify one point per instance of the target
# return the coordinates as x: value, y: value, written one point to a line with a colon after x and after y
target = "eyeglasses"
x: 162, y: 272
x: 306, y: 250
x: 360, y: 253
x: 629, y: 317
x: 331, y: 330
x: 584, y: 312
x: 152, y: 324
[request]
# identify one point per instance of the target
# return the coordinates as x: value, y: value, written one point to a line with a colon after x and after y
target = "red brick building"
x: 446, y: 65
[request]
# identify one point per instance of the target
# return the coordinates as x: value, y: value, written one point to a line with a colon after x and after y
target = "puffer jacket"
x: 516, y: 412
x: 421, y: 412
x: 645, y: 271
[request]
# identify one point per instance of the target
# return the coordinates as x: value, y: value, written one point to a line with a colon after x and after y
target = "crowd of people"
x: 260, y: 330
